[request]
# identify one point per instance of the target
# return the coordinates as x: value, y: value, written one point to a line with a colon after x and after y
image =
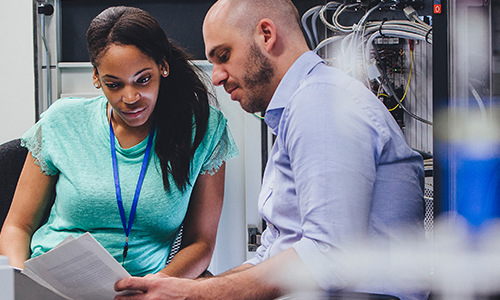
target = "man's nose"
x: 219, y: 75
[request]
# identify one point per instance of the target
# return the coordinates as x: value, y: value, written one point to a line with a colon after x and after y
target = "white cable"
x: 478, y: 99
x: 400, y: 25
x: 314, y: 27
x: 304, y: 18
x: 368, y: 13
x: 328, y: 41
x: 357, y: 40
x: 338, y: 11
x: 326, y: 7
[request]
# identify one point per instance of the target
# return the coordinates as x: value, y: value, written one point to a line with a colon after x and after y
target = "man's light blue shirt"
x: 339, y: 169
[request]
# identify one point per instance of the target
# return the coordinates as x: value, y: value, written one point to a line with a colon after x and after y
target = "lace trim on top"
x: 225, y: 150
x: 33, y: 141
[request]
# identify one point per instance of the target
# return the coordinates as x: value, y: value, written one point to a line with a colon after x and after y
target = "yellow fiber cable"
x: 262, y: 118
x: 408, y: 84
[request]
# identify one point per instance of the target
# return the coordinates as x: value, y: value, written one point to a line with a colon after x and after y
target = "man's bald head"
x: 252, y: 44
x: 245, y: 15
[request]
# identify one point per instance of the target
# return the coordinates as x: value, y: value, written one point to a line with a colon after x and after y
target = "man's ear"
x: 266, y: 31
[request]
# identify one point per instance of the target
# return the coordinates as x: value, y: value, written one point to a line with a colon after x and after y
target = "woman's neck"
x: 126, y: 135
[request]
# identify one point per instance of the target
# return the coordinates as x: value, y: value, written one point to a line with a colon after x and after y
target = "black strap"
x: 380, y: 28
x: 427, y: 36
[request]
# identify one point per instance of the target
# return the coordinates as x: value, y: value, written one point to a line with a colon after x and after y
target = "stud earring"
x: 96, y: 85
x: 165, y: 73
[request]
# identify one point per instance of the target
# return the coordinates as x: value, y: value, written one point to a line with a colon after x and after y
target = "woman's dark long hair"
x: 182, y: 99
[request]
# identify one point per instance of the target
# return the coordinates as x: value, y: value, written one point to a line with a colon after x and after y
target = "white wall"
x: 17, y: 88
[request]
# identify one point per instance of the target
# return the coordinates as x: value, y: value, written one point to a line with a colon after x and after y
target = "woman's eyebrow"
x: 114, y: 77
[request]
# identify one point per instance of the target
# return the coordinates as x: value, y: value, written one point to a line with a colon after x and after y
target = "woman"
x: 131, y: 166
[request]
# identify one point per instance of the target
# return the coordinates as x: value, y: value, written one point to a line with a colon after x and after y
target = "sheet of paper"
x: 28, y: 272
x: 66, y: 240
x: 28, y: 289
x: 41, y: 282
x: 80, y: 269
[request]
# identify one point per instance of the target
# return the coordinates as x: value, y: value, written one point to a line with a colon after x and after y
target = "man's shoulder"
x: 325, y: 74
x: 329, y: 83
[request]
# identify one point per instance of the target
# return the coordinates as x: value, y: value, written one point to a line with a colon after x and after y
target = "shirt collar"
x: 288, y: 85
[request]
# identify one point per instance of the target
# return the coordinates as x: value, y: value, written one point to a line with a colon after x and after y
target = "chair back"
x: 12, y: 157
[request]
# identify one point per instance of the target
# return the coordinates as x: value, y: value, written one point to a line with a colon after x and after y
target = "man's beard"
x: 257, y: 78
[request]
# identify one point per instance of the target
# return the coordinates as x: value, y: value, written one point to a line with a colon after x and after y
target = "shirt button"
x: 270, y: 225
x: 271, y: 186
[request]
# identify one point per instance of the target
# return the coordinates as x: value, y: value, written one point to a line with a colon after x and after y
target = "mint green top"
x: 71, y: 140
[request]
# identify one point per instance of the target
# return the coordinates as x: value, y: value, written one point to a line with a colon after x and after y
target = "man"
x: 339, y: 170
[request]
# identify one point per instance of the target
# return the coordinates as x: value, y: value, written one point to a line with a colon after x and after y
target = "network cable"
x: 355, y: 48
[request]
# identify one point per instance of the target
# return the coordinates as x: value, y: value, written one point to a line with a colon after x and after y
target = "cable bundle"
x: 355, y: 53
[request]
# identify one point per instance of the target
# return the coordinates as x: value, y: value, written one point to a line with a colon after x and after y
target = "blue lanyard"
x: 128, y: 227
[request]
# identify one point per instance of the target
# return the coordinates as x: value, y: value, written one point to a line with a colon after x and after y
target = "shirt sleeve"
x: 332, y: 148
x: 33, y: 141
x: 218, y: 144
x: 224, y: 150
